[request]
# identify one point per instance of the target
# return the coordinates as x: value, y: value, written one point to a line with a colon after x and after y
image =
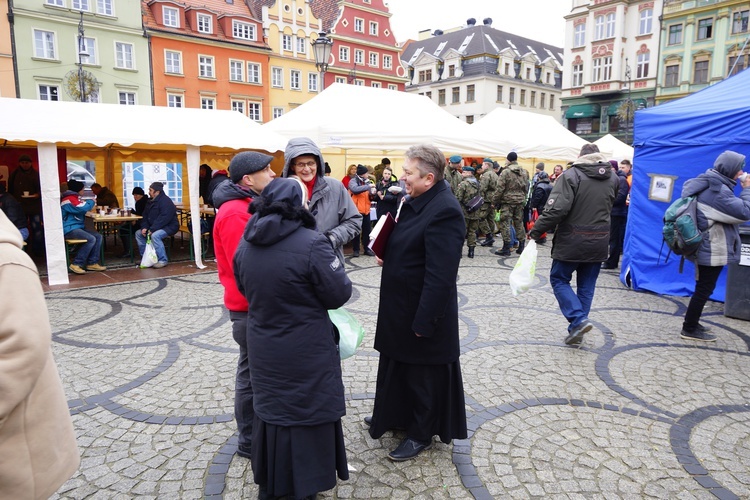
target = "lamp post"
x: 81, y: 54
x: 628, y: 103
x: 322, y: 50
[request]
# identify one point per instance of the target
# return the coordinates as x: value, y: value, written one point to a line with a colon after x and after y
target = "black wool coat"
x: 418, y: 283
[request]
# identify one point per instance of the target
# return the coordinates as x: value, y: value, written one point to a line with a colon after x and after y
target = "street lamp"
x: 81, y: 54
x: 322, y: 49
x: 628, y: 103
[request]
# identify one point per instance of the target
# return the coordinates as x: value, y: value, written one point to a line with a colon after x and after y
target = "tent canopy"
x: 531, y: 135
x: 352, y: 117
x: 675, y: 142
x: 620, y: 150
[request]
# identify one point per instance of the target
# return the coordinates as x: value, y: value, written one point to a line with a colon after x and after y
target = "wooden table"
x: 104, y: 225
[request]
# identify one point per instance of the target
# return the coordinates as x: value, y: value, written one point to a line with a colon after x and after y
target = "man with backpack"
x: 718, y: 215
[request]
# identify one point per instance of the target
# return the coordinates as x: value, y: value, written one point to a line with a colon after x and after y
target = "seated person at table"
x: 14, y: 211
x: 74, y: 210
x: 159, y: 221
x: 104, y: 197
x: 128, y: 229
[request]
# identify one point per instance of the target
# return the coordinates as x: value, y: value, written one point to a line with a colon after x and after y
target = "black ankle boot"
x: 471, y: 252
x: 505, y: 251
x: 521, y: 244
x: 488, y: 241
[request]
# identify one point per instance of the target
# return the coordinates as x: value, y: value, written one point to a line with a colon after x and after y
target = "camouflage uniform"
x: 487, y: 188
x: 513, y: 185
x: 453, y: 177
x: 468, y: 189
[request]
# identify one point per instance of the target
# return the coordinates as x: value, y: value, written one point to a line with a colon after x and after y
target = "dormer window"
x: 245, y: 31
x: 205, y: 24
x: 171, y: 16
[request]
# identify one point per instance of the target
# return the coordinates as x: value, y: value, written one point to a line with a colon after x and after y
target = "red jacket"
x: 229, y: 225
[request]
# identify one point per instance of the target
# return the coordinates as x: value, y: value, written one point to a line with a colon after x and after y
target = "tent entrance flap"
x: 615, y: 106
x: 583, y: 111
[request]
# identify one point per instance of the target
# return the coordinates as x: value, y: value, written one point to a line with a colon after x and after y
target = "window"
x: 126, y: 98
x: 89, y: 46
x: 49, y: 93
x: 579, y: 35
x: 359, y: 83
x: 359, y: 25
x: 294, y: 79
x: 174, y: 100
x: 675, y: 34
x: 551, y: 101
x: 532, y: 102
x: 392, y: 86
x: 81, y: 5
x: 641, y: 70
x: 599, y: 28
x: 455, y: 95
x: 206, y: 66
x: 124, y: 55
x: 277, y: 112
x: 672, y: 75
x: 528, y: 73
x: 470, y: 97
x: 512, y: 96
x: 596, y: 73
x: 340, y: 79
x: 507, y: 69
x: 105, y: 7
x: 577, y: 75
x: 173, y: 62
x: 242, y: 30
x: 387, y: 62
x: 253, y: 72
x: 469, y: 119
x: 238, y: 106
x: 344, y: 54
x: 429, y: 95
x: 373, y: 28
x: 205, y: 25
x: 499, y: 96
x: 286, y: 42
x: 451, y: 70
x: 607, y: 68
x: 208, y: 103
x: 374, y: 59
x: 56, y: 3
x: 645, y: 26
x: 736, y: 64
x: 523, y: 97
x: 441, y: 97
x: 542, y: 100
x: 236, y: 71
x: 700, y: 74
x: 312, y: 82
x: 44, y: 44
x: 171, y: 17
x: 277, y: 77
x: 301, y: 45
x: 740, y: 21
x: 253, y: 111
x: 610, y: 32
x: 359, y: 56
x: 705, y: 29
x: 375, y: 85
x: 425, y: 75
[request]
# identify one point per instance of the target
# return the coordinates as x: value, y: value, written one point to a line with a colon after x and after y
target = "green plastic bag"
x: 522, y: 276
x: 350, y: 331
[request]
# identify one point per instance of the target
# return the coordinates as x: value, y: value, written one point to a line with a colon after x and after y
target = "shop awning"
x: 583, y: 111
x: 612, y: 109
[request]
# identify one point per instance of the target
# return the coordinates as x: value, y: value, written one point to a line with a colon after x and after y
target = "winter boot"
x: 488, y: 241
x: 521, y: 244
x: 505, y: 251
x: 471, y: 252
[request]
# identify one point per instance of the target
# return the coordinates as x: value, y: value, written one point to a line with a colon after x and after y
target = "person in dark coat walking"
x: 619, y: 219
x: 419, y: 385
x: 290, y: 276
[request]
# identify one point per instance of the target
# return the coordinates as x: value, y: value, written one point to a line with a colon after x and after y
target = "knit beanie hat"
x: 75, y: 185
x: 361, y: 170
x: 512, y: 156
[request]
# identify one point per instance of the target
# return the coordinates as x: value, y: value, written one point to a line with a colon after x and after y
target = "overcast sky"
x: 540, y: 20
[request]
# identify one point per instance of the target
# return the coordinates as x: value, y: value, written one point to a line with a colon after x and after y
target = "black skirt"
x: 424, y: 400
x: 300, y: 460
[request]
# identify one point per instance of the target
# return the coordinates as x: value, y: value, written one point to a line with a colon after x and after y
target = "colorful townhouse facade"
x: 7, y: 68
x: 56, y: 41
x: 476, y: 68
x: 701, y: 43
x: 611, y: 59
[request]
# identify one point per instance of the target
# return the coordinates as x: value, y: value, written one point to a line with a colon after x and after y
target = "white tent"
x: 351, y: 117
x: 619, y: 149
x: 73, y: 125
x: 531, y: 135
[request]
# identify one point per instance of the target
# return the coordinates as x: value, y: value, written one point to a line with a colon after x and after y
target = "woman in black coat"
x: 291, y: 276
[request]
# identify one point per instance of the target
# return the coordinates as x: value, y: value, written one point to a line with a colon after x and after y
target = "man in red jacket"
x: 249, y: 172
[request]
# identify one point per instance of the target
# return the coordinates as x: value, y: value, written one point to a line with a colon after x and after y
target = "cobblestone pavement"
x: 635, y: 411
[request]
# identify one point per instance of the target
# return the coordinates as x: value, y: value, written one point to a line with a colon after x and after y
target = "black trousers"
x: 616, y: 239
x: 705, y: 282
x: 365, y: 234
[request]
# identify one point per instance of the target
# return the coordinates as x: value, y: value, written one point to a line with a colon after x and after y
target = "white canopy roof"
x: 619, y: 149
x: 352, y: 117
x: 531, y: 135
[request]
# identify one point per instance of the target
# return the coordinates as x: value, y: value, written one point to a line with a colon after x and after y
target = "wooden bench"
x: 69, y: 243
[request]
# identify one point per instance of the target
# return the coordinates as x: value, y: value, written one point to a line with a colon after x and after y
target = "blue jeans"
x: 91, y: 250
x: 156, y: 239
x: 575, y: 306
x: 243, y: 387
x: 24, y: 233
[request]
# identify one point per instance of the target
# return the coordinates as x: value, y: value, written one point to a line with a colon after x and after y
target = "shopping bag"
x: 522, y: 276
x: 149, y: 255
x: 350, y: 331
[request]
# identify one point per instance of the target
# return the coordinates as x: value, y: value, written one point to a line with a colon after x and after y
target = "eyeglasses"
x: 303, y: 164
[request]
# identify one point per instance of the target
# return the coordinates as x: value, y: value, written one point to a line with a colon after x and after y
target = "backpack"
x: 680, y: 231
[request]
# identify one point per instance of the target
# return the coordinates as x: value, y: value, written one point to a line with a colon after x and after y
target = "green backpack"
x: 680, y: 231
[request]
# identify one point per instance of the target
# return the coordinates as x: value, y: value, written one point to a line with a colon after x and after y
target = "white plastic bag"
x: 522, y: 276
x: 350, y: 331
x: 149, y: 255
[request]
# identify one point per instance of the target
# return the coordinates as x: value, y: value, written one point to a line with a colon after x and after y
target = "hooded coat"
x: 291, y: 276
x: 579, y: 205
x: 719, y: 211
x: 335, y: 213
x: 38, y: 451
x: 74, y: 211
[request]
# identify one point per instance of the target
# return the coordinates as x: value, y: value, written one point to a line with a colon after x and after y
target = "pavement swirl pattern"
x: 148, y: 369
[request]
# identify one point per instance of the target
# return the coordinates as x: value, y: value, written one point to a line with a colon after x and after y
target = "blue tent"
x: 673, y: 143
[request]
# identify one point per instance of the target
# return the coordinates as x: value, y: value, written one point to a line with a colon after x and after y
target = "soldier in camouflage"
x: 468, y: 189
x: 488, y: 182
x: 512, y: 189
x: 453, y: 172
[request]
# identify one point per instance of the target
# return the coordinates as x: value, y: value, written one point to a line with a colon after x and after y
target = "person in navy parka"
x: 291, y: 275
